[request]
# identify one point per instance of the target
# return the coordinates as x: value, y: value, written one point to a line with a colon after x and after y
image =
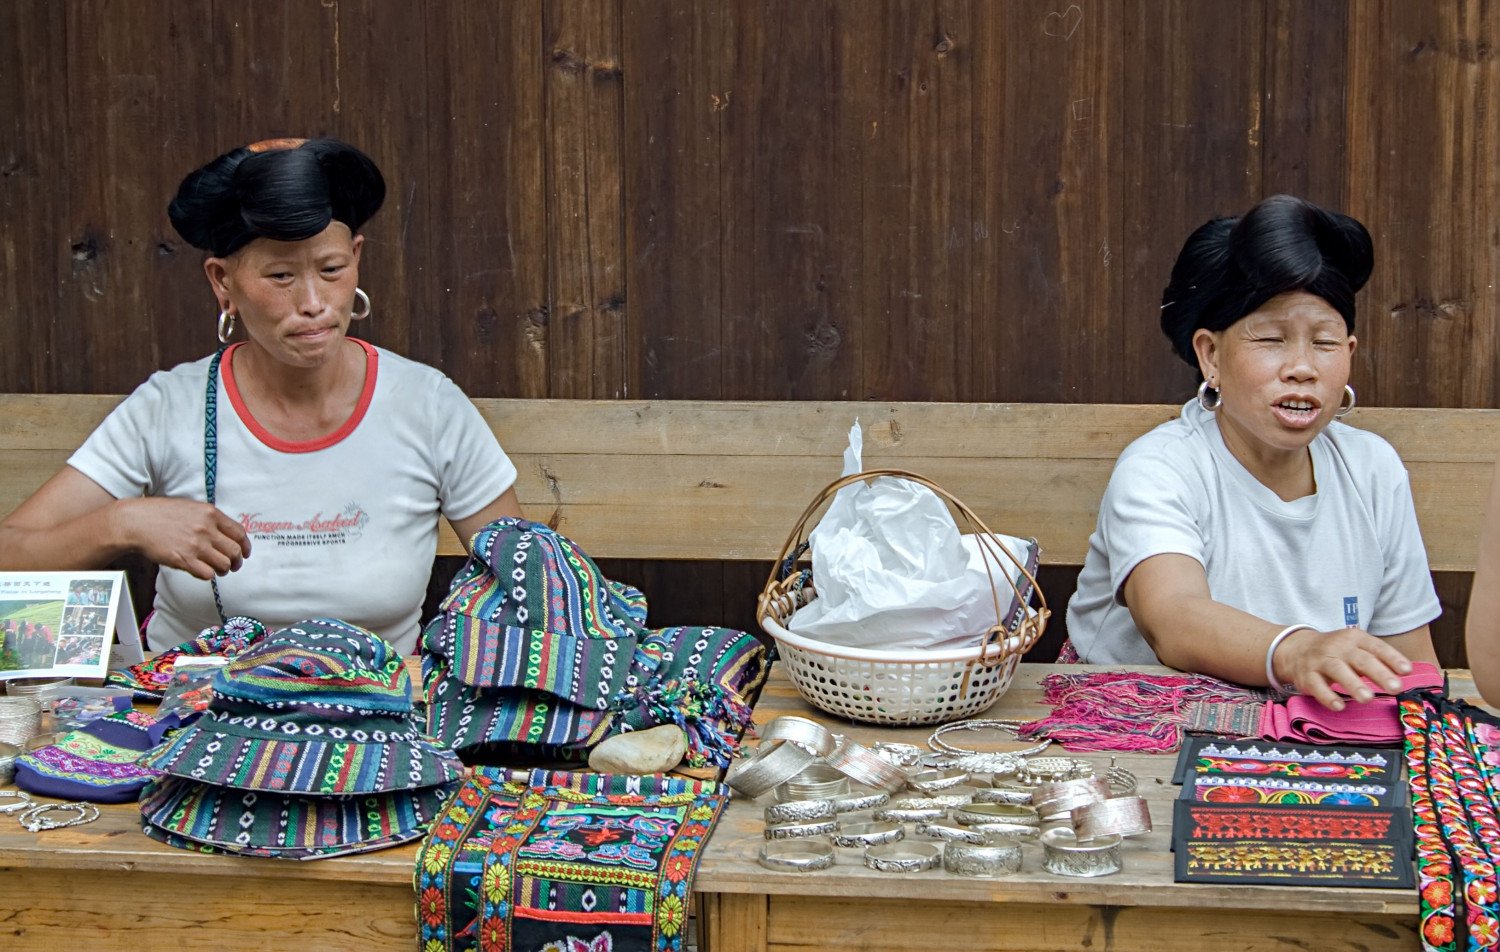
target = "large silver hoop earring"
x: 1344, y: 408
x: 226, y: 325
x: 1203, y: 399
x: 357, y: 314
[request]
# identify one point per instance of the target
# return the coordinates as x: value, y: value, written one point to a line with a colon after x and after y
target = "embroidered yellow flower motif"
x: 496, y: 883
x: 701, y: 814
x: 670, y: 915
x: 435, y: 860
x: 433, y: 945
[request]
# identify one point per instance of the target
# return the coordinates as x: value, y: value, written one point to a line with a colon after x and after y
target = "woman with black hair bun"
x: 297, y: 472
x: 1256, y: 538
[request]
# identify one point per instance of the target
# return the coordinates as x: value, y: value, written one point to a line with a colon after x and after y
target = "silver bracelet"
x: 909, y: 815
x: 1009, y: 831
x: 22, y: 804
x: 1062, y: 807
x: 861, y: 765
x: 1040, y: 770
x: 976, y: 813
x: 818, y: 782
x: 36, y: 819
x: 800, y: 731
x: 937, y: 779
x: 797, y: 811
x: 1063, y: 788
x: 902, y: 755
x: 939, y: 830
x: 976, y: 761
x: 1065, y: 855
x: 863, y: 799
x: 792, y: 831
x: 1120, y: 816
x: 1004, y: 792
x: 1121, y: 781
x: 764, y: 769
x: 982, y: 860
x: 904, y: 857
x: 797, y: 856
x: 867, y: 834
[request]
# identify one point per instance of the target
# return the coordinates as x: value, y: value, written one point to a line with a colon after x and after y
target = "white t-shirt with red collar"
x: 344, y: 526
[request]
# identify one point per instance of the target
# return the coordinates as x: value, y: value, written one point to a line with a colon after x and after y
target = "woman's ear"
x: 217, y: 270
x: 1206, y: 346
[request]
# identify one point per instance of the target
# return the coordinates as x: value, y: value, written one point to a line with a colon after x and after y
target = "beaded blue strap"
x: 211, y: 454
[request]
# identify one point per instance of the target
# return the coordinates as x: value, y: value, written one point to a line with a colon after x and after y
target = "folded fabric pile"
x: 151, y: 678
x: 97, y: 762
x: 536, y: 654
x: 533, y: 859
x: 309, y: 749
x: 1376, y: 721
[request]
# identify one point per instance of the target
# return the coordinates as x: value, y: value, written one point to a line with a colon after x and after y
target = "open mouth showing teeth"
x: 1297, y: 409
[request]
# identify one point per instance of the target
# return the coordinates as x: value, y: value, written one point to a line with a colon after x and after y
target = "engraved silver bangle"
x: 976, y: 813
x: 862, y: 799
x: 1004, y: 792
x: 982, y: 860
x: 796, y: 856
x: 938, y: 779
x: 861, y: 765
x: 1039, y: 770
x: 867, y: 834
x: 763, y: 769
x: 902, y: 755
x: 800, y: 731
x: 906, y: 815
x: 799, y: 811
x: 792, y: 831
x: 1065, y: 855
x: 939, y: 830
x: 947, y: 799
x: 1120, y: 816
x: 904, y: 857
x: 1011, y: 831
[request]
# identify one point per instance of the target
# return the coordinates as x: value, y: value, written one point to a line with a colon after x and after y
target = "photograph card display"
x: 66, y: 624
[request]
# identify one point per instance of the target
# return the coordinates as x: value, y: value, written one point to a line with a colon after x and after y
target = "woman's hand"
x: 1315, y: 660
x: 192, y: 536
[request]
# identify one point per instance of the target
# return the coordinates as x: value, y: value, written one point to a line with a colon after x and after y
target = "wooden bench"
x: 725, y: 481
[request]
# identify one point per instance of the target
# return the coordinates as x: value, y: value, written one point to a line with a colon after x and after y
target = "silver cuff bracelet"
x: 904, y: 815
x: 967, y: 859
x: 797, y: 856
x: 937, y: 779
x: 798, y: 811
x: 764, y: 769
x: 817, y: 782
x: 861, y: 765
x: 1004, y: 792
x: 976, y: 813
x: 904, y: 857
x: 867, y: 834
x: 1066, y: 856
x: 801, y: 731
x: 1120, y: 816
x: 1014, y: 831
x: 939, y: 830
x: 862, y: 799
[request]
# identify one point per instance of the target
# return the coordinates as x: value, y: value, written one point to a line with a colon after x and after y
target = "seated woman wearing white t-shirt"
x: 330, y: 461
x: 1255, y: 538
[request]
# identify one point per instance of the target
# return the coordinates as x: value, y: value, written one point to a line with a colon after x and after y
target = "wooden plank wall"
x: 762, y: 199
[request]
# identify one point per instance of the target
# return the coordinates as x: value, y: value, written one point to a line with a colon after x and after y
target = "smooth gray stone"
x: 655, y: 750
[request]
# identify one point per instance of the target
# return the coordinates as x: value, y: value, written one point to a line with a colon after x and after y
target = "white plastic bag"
x: 892, y: 570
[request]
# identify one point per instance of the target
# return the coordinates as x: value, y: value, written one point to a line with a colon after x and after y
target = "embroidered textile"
x: 1452, y: 753
x: 522, y: 860
x: 1210, y: 789
x: 1203, y: 822
x: 97, y: 762
x: 1107, y: 710
x: 1208, y: 756
x: 151, y: 678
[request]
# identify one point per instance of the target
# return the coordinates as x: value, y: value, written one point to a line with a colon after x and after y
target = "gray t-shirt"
x: 1348, y: 555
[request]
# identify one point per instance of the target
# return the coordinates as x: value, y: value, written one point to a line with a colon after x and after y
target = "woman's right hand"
x: 1313, y: 661
x: 182, y: 533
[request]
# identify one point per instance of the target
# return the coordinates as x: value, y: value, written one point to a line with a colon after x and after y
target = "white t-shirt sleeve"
x: 472, y: 468
x: 119, y: 454
x: 1407, y: 598
x: 1147, y: 510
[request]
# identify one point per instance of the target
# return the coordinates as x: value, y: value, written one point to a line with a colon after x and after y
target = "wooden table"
x: 107, y: 886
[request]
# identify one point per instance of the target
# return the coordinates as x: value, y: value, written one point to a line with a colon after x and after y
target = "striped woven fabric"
x: 285, y: 827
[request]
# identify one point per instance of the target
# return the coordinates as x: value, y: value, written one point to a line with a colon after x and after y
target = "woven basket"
x: 911, y: 686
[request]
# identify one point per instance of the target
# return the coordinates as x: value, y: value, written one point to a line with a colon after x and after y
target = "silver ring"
x: 792, y: 831
x: 861, y: 765
x: 764, y: 769
x: 937, y: 779
x: 976, y: 813
x: 798, y: 811
x: 984, y: 861
x: 1065, y: 855
x: 1120, y: 816
x: 904, y: 857
x: 865, y: 799
x: 867, y: 834
x: 801, y: 731
x: 939, y: 830
x: 798, y: 856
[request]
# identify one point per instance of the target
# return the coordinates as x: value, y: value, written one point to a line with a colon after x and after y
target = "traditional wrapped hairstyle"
x: 1231, y: 266
x: 283, y: 189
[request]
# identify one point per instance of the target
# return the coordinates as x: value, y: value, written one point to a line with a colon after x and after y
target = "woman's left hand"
x: 1314, y: 661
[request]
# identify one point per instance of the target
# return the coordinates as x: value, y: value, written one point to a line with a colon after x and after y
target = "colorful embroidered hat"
x: 321, y: 707
x: 530, y: 610
x: 97, y: 762
x: 151, y: 678
x: 210, y: 818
